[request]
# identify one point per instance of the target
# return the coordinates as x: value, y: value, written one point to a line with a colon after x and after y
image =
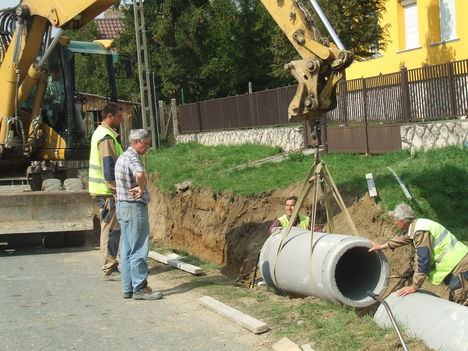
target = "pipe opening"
x: 357, y: 272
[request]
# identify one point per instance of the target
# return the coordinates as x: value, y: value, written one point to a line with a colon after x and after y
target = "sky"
x: 8, y: 3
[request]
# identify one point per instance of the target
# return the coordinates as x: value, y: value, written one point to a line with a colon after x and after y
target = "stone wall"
x: 414, y: 136
x: 430, y: 135
x: 288, y: 138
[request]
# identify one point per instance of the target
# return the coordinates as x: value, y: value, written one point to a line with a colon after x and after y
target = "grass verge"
x: 437, y: 179
x: 326, y: 326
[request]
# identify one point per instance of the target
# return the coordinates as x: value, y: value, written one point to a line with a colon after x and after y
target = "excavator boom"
x: 322, y: 65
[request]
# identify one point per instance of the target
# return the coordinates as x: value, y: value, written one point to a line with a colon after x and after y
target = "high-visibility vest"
x: 447, y: 251
x: 97, y: 183
x: 304, y: 221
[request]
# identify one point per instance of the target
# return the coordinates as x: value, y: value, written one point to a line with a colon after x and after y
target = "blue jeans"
x: 133, y: 219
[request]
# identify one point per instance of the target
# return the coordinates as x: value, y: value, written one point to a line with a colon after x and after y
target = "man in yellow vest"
x: 105, y: 149
x: 439, y: 255
x: 302, y: 221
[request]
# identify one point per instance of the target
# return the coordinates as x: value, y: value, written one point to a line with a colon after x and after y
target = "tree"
x: 214, y: 48
x: 90, y: 70
x: 356, y: 23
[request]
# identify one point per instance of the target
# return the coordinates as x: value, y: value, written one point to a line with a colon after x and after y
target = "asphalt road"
x: 57, y: 300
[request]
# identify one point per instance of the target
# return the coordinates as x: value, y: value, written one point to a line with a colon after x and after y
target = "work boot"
x: 147, y: 294
x: 112, y: 274
x: 127, y: 295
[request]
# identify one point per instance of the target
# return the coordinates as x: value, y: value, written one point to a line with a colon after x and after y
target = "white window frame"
x: 447, y: 17
x: 411, y: 37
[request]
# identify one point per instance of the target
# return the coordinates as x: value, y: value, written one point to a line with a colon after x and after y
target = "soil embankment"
x: 229, y: 230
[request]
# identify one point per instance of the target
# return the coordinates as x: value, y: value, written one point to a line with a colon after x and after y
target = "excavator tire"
x: 53, y: 240
x: 73, y: 184
x: 75, y: 238
x: 52, y: 184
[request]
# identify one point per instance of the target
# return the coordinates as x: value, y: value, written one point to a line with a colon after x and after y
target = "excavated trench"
x: 229, y: 230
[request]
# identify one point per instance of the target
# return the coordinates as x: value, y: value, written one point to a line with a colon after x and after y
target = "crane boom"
x: 322, y: 65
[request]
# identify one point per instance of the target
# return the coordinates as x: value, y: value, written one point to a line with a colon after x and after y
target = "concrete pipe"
x: 339, y: 270
x: 441, y: 324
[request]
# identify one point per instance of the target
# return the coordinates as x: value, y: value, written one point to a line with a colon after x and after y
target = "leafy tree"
x: 356, y: 23
x: 214, y: 48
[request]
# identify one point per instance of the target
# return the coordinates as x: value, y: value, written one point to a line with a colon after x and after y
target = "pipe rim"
x: 381, y: 284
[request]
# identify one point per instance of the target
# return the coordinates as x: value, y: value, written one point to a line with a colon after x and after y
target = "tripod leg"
x: 252, y: 283
x: 339, y: 200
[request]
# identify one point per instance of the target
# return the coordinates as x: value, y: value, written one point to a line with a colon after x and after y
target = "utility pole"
x: 146, y: 95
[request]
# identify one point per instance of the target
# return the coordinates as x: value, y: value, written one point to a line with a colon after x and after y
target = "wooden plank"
x: 238, y: 317
x: 306, y: 347
x: 158, y: 257
x: 285, y: 345
x: 174, y: 256
x: 371, y: 185
x: 175, y: 263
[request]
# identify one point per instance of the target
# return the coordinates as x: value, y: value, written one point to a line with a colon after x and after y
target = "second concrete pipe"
x: 339, y: 270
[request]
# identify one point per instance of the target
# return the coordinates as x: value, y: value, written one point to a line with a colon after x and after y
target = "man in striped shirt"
x: 132, y: 213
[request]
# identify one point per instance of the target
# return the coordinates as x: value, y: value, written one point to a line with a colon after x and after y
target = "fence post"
x: 305, y: 131
x: 453, y: 100
x: 199, y: 118
x: 252, y: 112
x: 405, y: 95
x: 175, y: 121
x: 344, y: 99
x: 323, y: 130
x: 366, y: 132
x: 162, y: 118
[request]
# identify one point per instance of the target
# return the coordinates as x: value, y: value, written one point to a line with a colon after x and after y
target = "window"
x: 447, y: 20
x: 410, y: 11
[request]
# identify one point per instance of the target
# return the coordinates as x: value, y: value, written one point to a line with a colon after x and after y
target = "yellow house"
x: 421, y: 32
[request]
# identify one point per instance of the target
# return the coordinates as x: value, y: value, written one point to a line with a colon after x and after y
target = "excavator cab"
x: 65, y: 134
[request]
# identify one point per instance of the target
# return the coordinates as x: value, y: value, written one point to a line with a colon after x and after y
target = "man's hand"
x: 406, y: 290
x: 136, y: 192
x: 377, y: 246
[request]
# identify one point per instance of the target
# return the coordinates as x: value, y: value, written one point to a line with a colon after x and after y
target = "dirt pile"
x: 227, y: 229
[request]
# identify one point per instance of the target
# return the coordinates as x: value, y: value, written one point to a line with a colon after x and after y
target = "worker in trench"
x: 439, y: 255
x: 302, y: 221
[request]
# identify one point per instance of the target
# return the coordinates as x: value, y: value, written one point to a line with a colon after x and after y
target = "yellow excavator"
x: 41, y: 128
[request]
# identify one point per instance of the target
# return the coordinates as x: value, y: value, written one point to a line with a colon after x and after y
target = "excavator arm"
x: 20, y: 72
x: 322, y: 65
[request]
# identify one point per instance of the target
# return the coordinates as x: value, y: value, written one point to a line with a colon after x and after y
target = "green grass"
x: 437, y: 179
x: 325, y: 325
x: 202, y: 164
x: 331, y: 327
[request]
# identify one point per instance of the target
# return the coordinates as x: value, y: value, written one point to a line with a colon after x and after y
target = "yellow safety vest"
x: 304, y: 221
x: 97, y: 183
x: 447, y: 251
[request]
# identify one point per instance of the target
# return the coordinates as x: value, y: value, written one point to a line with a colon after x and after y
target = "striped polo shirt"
x: 126, y: 169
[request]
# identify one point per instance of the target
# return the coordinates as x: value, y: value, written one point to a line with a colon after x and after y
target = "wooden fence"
x: 421, y: 94
x: 427, y: 93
